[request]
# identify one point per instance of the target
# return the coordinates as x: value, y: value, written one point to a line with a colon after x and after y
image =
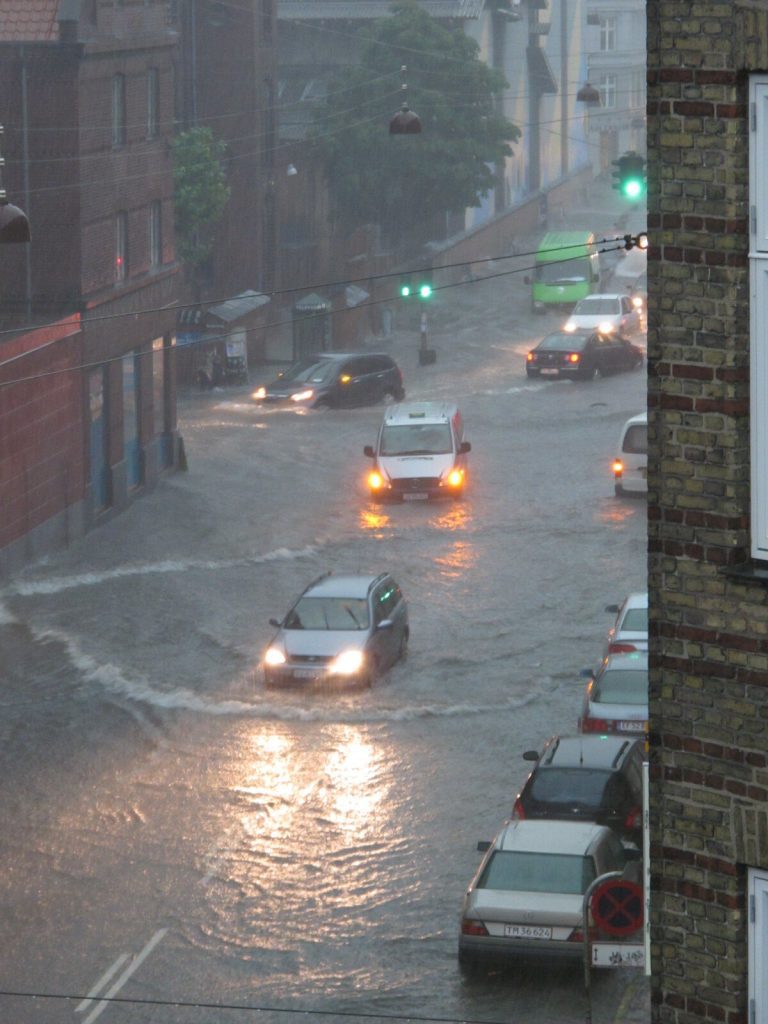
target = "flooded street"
x: 183, y: 836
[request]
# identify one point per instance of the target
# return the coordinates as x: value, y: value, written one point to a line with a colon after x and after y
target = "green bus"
x: 567, y: 268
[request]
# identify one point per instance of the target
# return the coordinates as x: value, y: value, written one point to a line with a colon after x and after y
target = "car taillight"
x: 618, y: 467
x: 518, y: 811
x: 634, y: 818
x: 622, y: 647
x: 573, y: 357
x: 577, y: 935
x: 470, y: 927
x: 594, y: 725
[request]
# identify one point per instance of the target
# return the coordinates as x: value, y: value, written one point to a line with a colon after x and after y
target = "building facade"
x: 87, y: 103
x: 707, y: 477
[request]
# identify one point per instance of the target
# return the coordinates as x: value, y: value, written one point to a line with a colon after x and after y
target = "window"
x: 607, y: 89
x: 155, y: 234
x: 153, y: 102
x: 758, y: 287
x: 121, y: 246
x: 118, y: 110
x: 607, y: 32
x: 757, y: 883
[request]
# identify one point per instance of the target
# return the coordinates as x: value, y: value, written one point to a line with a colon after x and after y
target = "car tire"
x: 398, y: 394
x: 588, y: 374
x: 468, y: 965
x: 618, y: 490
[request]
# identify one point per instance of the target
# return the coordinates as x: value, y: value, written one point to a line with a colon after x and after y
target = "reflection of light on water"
x: 616, y: 514
x: 351, y: 769
x: 373, y: 519
x: 460, y: 557
x: 455, y: 517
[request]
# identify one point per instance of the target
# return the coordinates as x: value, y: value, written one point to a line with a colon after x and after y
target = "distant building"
x: 87, y: 307
x: 708, y: 509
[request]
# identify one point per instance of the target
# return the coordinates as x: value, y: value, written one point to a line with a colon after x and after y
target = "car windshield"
x: 517, y: 871
x: 566, y: 272
x: 595, y: 306
x: 622, y: 686
x: 563, y: 343
x: 311, y: 371
x: 328, y: 613
x: 576, y: 787
x: 636, y: 621
x: 416, y: 439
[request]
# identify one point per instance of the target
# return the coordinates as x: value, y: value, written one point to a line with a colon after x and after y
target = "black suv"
x: 593, y: 778
x: 337, y: 379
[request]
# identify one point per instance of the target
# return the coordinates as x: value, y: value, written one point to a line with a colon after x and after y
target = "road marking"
x: 133, y: 966
x: 81, y: 1007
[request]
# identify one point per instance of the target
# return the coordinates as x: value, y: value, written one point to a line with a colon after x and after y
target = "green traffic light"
x: 405, y: 290
x: 425, y: 291
x: 632, y: 188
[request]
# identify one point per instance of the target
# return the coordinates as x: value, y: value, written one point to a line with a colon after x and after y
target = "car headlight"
x: 606, y: 328
x: 259, y: 393
x: 378, y: 480
x: 570, y: 327
x: 637, y: 301
x: 274, y: 656
x: 454, y: 477
x: 302, y: 396
x: 348, y: 662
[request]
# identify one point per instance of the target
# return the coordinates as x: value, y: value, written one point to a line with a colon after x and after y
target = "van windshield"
x: 416, y: 439
x: 569, y: 271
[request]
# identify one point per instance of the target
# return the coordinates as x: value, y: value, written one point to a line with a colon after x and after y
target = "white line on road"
x: 136, y: 963
x: 81, y: 1007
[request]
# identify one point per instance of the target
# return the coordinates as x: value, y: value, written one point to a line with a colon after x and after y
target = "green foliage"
x: 406, y: 182
x: 201, y: 193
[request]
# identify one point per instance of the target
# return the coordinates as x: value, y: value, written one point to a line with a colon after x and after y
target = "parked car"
x: 526, y: 898
x: 343, y: 628
x: 605, y: 312
x: 616, y: 695
x: 587, y: 778
x: 629, y: 631
x: 630, y: 467
x: 581, y: 354
x: 336, y: 379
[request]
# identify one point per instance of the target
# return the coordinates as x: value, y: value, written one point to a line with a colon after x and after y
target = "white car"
x: 630, y: 467
x: 609, y: 314
x: 616, y: 696
x: 526, y: 898
x: 629, y: 631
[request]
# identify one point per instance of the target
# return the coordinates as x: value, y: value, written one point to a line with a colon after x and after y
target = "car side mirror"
x: 275, y: 622
x: 612, y: 608
x: 531, y: 755
x: 368, y: 450
x: 465, y: 447
x: 586, y: 673
x: 483, y: 846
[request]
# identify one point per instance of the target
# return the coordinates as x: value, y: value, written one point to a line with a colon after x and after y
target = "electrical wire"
x: 209, y: 339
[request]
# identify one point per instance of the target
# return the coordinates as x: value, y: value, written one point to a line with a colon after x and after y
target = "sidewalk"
x: 635, y: 1006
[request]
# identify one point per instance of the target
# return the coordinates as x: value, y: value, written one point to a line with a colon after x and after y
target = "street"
x: 175, y: 835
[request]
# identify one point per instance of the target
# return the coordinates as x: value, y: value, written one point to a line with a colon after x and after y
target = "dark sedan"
x: 582, y: 354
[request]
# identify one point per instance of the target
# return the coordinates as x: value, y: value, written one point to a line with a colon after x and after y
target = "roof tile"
x: 28, y: 21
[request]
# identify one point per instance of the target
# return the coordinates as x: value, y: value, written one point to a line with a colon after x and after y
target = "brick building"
x: 708, y: 514
x: 87, y: 103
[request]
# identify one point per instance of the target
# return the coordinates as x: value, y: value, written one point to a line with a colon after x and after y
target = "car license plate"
x: 416, y: 496
x: 549, y: 371
x: 633, y: 726
x: 304, y: 673
x: 526, y: 931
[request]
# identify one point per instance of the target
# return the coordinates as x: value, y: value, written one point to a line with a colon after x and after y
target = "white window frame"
x: 607, y: 89
x: 607, y: 33
x: 758, y: 311
x: 155, y: 233
x: 757, y: 945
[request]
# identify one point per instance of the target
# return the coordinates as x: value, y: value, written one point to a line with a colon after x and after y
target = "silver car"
x: 607, y: 313
x: 343, y: 629
x: 629, y: 631
x: 526, y: 899
x: 616, y: 695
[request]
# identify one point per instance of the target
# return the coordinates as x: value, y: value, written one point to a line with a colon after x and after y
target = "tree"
x: 406, y: 183
x: 201, y: 193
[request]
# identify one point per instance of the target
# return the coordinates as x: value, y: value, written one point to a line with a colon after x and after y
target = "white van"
x: 630, y: 468
x: 420, y: 453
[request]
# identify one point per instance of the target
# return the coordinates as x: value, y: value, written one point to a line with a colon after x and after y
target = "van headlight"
x: 454, y: 478
x: 274, y: 656
x: 378, y: 481
x: 348, y: 662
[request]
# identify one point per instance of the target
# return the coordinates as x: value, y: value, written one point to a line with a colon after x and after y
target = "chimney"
x: 68, y: 19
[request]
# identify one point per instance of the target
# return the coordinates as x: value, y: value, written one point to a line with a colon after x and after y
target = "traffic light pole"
x: 426, y: 355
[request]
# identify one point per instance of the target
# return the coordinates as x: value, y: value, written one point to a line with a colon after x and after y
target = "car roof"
x: 547, y: 835
x: 421, y: 412
x: 347, y: 355
x: 586, y: 751
x: 342, y: 585
x: 632, y: 660
x: 602, y: 295
x: 637, y: 600
x: 641, y: 417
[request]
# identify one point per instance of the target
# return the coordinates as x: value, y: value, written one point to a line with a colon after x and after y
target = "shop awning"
x: 238, y: 306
